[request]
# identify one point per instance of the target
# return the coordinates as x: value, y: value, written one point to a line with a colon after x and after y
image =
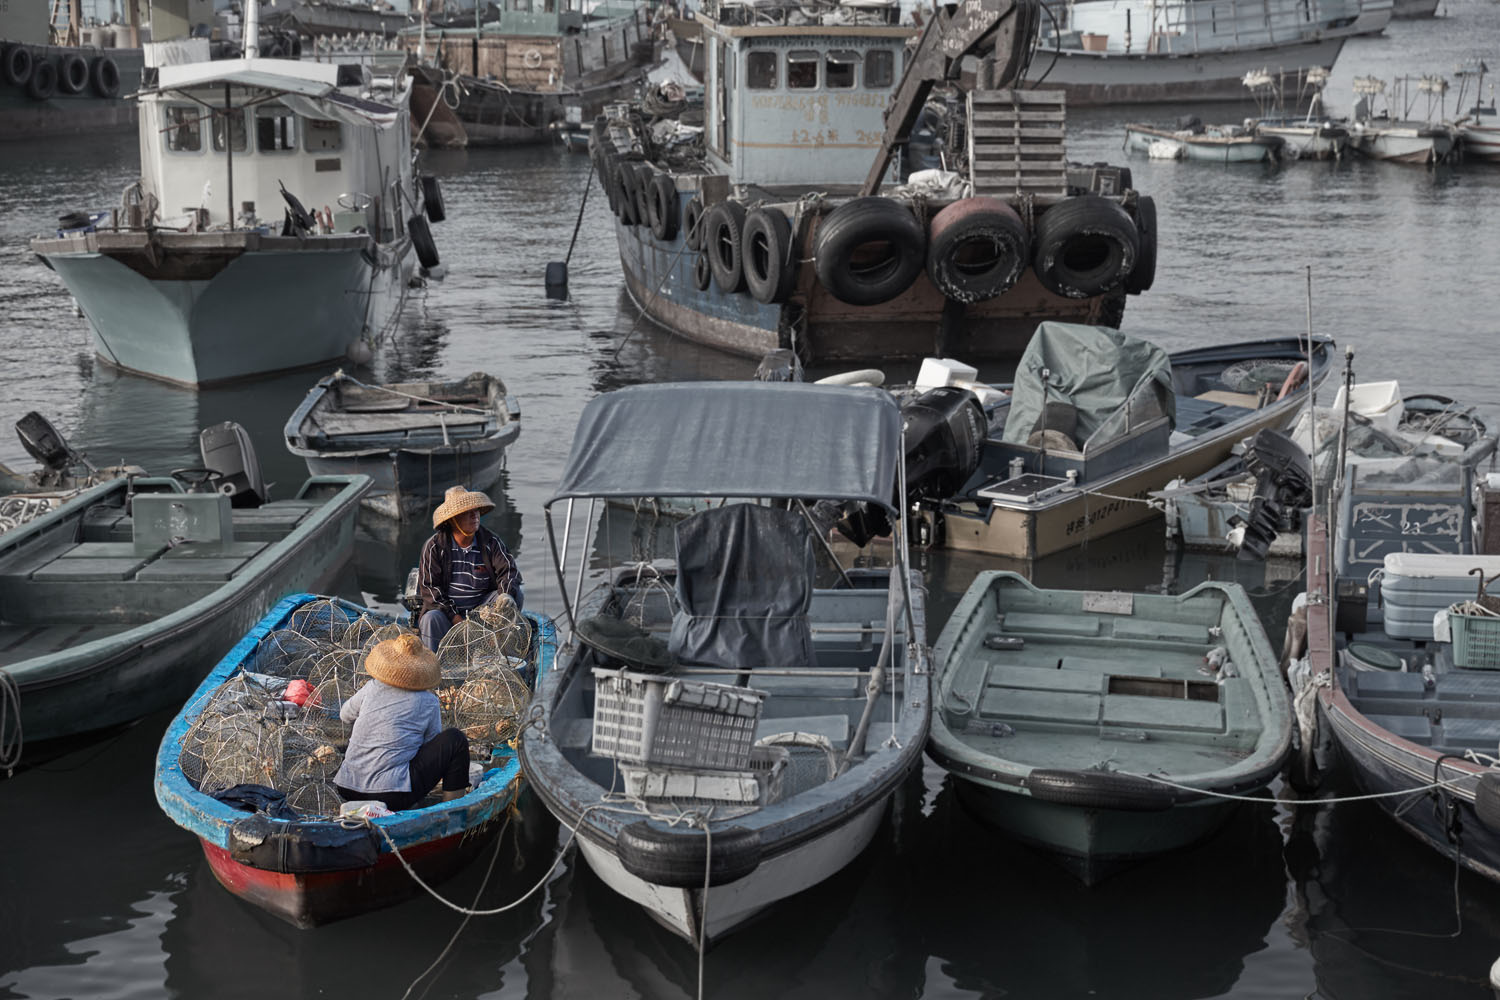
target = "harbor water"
x: 101, y: 896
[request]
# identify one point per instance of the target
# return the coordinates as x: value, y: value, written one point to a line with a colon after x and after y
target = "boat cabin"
x: 797, y: 95
x: 221, y: 139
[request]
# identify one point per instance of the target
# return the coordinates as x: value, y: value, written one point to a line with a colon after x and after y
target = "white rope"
x: 1446, y: 783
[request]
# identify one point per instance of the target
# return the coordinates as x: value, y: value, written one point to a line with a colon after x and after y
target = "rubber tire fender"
x: 1143, y: 275
x: 677, y: 859
x: 860, y: 222
x: 1099, y: 790
x: 1085, y: 246
x: 664, y: 212
x: 1487, y: 800
x: 723, y: 244
x: 104, y: 76
x: 43, y: 82
x: 644, y: 178
x: 604, y: 166
x: 421, y: 241
x: 17, y: 65
x: 766, y: 256
x: 625, y: 191
x: 72, y: 73
x: 432, y: 199
x: 703, y: 272
x: 692, y: 223
x: 988, y: 226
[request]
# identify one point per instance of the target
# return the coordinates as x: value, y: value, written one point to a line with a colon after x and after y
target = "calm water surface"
x: 100, y: 896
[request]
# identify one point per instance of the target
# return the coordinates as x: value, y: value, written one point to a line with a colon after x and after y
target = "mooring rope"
x: 10, y: 723
x: 1430, y: 786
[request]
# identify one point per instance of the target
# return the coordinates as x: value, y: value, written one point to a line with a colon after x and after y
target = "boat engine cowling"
x: 1283, y: 487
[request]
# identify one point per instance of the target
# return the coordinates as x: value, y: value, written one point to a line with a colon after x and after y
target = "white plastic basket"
x: 650, y: 719
x: 760, y: 784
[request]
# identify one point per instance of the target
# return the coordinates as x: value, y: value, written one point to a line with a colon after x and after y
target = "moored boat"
x: 67, y: 80
x: 413, y: 439
x: 1379, y: 135
x: 757, y: 724
x: 1103, y: 727
x: 227, y: 260
x: 765, y: 220
x: 1213, y: 143
x: 116, y: 602
x: 297, y: 856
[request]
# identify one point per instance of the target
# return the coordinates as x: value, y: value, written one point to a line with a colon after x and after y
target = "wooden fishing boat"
x: 314, y: 869
x: 113, y: 605
x: 1058, y: 710
x: 1161, y: 417
x: 1211, y: 143
x: 413, y: 439
x: 784, y: 781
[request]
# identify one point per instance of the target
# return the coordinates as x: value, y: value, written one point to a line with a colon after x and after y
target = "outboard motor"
x: 44, y: 443
x: 227, y: 451
x: 945, y: 434
x: 1283, y: 487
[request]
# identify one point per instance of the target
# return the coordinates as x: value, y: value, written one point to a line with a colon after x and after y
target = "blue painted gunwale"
x: 210, y: 820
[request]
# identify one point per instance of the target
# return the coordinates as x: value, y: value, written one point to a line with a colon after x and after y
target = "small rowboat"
x: 1214, y: 143
x: 318, y: 868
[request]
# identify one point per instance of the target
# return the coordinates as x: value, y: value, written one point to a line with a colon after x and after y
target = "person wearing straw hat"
x: 463, y: 565
x: 399, y: 749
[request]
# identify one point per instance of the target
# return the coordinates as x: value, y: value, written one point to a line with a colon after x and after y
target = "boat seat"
x: 92, y: 562
x: 1415, y: 728
x: 834, y: 727
x: 1465, y: 733
x: 1467, y: 686
x: 1040, y: 706
x: 1144, y: 628
x: 1386, y: 684
x: 195, y: 561
x: 1044, y: 679
x: 1096, y: 665
x: 1145, y: 712
x: 1031, y: 623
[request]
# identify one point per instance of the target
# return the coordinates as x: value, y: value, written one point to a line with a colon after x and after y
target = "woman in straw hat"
x: 399, y: 748
x: 463, y: 565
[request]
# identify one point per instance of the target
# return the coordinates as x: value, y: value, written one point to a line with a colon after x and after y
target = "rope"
x: 1301, y: 802
x: 581, y: 206
x: 10, y: 715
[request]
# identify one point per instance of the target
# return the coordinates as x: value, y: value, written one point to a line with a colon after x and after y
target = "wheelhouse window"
x: 234, y: 123
x: 839, y: 69
x: 880, y: 68
x: 322, y: 135
x: 761, y: 70
x: 184, y: 132
x: 802, y: 69
x: 275, y: 129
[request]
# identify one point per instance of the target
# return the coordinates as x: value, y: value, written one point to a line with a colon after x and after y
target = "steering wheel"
x: 195, y: 477
x: 355, y: 201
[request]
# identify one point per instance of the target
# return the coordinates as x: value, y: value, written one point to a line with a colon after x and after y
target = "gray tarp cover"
x: 736, y: 439
x: 1097, y: 370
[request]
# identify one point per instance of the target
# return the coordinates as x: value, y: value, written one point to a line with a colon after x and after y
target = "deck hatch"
x: 1164, y: 687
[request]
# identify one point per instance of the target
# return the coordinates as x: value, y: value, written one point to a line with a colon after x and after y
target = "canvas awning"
x: 308, y: 88
x: 774, y: 440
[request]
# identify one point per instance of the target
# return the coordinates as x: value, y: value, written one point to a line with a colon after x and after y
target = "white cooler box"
x: 1417, y: 585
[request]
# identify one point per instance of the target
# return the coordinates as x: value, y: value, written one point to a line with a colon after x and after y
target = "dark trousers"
x: 445, y: 756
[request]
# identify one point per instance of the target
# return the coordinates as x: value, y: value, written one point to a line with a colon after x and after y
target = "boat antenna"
x: 1338, y: 480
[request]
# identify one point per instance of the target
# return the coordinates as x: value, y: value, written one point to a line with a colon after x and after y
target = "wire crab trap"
x: 359, y: 632
x: 325, y: 619
x: 491, y: 635
x: 283, y: 653
x: 487, y: 707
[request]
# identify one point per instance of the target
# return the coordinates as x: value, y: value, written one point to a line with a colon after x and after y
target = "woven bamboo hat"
x: 404, y: 662
x: 457, y: 500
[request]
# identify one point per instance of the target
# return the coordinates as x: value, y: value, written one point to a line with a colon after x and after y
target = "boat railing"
x: 1201, y: 27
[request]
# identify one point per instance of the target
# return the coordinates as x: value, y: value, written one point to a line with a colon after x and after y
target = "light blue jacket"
x: 390, y: 726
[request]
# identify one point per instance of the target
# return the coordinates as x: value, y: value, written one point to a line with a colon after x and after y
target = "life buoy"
x: 723, y: 244
x: 977, y: 249
x: 421, y: 241
x: 72, y: 73
x: 644, y: 177
x: 869, y: 250
x: 703, y: 272
x: 1085, y: 246
x: 766, y: 256
x: 532, y: 58
x: 432, y: 199
x: 1144, y: 273
x: 1294, y: 378
x: 105, y: 77
x: 17, y: 65
x: 679, y: 858
x: 692, y: 223
x: 43, y: 83
x: 1099, y: 790
x: 661, y: 199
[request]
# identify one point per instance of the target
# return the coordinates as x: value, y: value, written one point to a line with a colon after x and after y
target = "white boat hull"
x: 1245, y: 150
x: 1307, y: 143
x: 1401, y: 145
x: 1481, y: 141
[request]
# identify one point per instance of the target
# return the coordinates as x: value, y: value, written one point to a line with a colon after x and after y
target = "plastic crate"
x: 1476, y: 641
x: 650, y: 719
x: 758, y: 785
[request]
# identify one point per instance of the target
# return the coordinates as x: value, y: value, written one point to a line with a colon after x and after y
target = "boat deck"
x: 1460, y: 712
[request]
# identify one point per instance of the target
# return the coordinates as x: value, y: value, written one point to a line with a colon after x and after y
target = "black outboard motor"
x: 1283, y: 487
x: 43, y: 443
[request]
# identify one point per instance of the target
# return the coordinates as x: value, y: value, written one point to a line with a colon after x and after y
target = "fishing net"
x: 282, y: 652
x: 811, y: 761
x: 1250, y: 376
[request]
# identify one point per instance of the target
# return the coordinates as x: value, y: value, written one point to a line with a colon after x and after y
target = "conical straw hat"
x: 404, y: 662
x: 457, y: 500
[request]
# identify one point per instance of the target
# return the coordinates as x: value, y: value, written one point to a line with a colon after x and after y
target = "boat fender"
x: 105, y: 77
x: 1085, y: 246
x: 532, y: 58
x: 43, y: 80
x: 860, y: 376
x: 644, y: 178
x: 295, y: 847
x: 869, y: 250
x: 72, y: 73
x: 766, y: 248
x: 676, y: 857
x: 703, y: 272
x: 1099, y: 790
x: 664, y: 212
x: 723, y: 243
x: 692, y: 223
x: 16, y: 66
x: 421, y: 241
x: 1143, y: 275
x: 432, y: 199
x: 1487, y: 800
x: 977, y: 249
x: 1294, y: 378
x: 625, y: 192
